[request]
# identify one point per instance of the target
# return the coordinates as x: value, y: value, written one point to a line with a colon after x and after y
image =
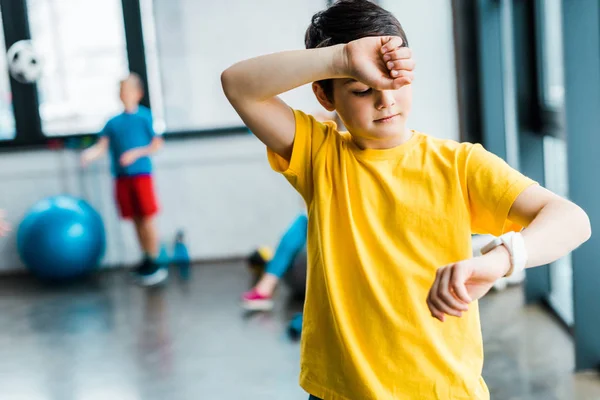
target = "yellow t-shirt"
x: 381, y: 222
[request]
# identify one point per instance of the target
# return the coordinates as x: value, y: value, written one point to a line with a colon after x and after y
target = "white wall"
x: 428, y: 26
x: 220, y: 191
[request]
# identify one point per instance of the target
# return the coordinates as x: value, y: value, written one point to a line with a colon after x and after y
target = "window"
x: 82, y: 48
x: 7, y: 119
x: 189, y: 43
x: 85, y: 47
x: 555, y: 147
x: 553, y: 88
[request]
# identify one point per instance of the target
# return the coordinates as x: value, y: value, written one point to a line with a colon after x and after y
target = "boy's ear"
x: 322, y: 97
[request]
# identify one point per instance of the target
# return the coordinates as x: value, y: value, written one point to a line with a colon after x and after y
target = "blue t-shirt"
x: 127, y: 131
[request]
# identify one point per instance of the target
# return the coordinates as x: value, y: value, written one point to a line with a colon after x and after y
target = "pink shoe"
x: 254, y: 301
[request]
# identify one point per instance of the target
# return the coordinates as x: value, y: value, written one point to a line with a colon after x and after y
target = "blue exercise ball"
x: 61, y: 238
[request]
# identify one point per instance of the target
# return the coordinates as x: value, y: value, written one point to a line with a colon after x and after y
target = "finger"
x: 401, y: 73
x: 401, y: 65
x: 403, y: 53
x: 435, y: 313
x: 457, y: 283
x: 391, y: 43
x: 445, y: 293
x: 397, y: 83
x: 436, y: 310
x: 441, y: 297
x: 436, y: 297
x: 391, y: 83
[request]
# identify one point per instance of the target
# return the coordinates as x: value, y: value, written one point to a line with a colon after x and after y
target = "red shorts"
x: 135, y: 196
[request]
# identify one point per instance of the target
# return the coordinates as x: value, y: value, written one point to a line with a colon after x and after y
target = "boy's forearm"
x: 267, y: 76
x: 555, y: 227
x: 559, y: 228
x: 95, y: 152
x: 152, y: 148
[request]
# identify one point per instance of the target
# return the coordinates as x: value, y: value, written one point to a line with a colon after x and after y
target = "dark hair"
x: 348, y: 20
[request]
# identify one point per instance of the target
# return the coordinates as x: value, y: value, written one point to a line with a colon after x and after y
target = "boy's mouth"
x: 389, y: 118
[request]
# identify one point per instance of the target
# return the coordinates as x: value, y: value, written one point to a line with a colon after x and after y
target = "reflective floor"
x: 106, y: 339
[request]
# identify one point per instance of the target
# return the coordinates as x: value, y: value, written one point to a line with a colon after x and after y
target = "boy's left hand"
x: 129, y: 157
x: 456, y: 285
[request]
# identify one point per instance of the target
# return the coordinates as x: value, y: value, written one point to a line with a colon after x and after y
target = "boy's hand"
x: 379, y: 62
x: 129, y: 157
x: 92, y: 153
x: 4, y: 226
x: 456, y: 285
x: 86, y: 158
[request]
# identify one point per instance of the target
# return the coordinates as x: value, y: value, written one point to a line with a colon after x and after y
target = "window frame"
x: 29, y: 133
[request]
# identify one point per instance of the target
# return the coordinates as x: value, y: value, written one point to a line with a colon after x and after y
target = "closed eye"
x: 361, y: 93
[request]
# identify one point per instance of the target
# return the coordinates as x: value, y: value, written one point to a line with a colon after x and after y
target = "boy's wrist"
x: 339, y: 67
x: 496, y: 263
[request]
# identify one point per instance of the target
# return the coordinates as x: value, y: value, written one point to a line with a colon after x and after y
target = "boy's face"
x: 371, y: 114
x: 130, y: 93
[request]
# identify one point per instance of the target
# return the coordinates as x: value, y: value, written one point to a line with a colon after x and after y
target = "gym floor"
x: 107, y: 339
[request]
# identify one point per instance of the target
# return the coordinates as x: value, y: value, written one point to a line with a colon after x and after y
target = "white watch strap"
x: 515, y: 244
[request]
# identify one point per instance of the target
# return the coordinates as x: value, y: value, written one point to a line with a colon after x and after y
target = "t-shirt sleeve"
x: 492, y: 187
x: 149, y: 125
x: 310, y: 135
x: 105, y: 132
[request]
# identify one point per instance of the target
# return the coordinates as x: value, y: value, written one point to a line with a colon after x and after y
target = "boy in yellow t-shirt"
x: 391, y: 302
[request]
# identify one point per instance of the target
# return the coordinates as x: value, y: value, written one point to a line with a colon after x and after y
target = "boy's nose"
x: 385, y: 99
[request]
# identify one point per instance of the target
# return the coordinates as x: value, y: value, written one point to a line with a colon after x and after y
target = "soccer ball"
x: 23, y: 62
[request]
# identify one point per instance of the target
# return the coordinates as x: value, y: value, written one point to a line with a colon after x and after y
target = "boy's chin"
x: 388, y: 132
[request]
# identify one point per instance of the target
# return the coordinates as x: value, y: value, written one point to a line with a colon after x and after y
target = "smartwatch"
x: 515, y: 244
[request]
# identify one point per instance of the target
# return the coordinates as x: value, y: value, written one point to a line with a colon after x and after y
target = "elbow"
x: 585, y: 226
x: 232, y: 83
x: 228, y: 83
x: 102, y: 145
x: 588, y: 227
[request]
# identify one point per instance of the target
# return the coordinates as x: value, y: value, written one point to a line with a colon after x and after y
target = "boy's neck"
x: 382, y: 144
x: 131, y: 108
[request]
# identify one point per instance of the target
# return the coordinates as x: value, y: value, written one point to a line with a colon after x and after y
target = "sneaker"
x: 295, y: 327
x: 254, y: 301
x: 142, y: 268
x: 151, y: 273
